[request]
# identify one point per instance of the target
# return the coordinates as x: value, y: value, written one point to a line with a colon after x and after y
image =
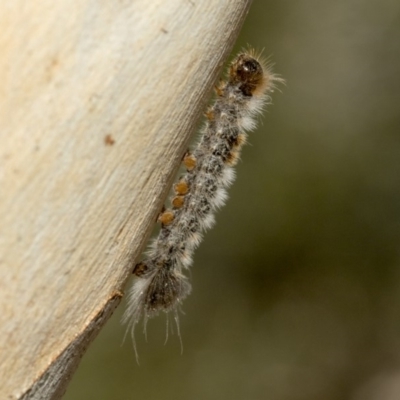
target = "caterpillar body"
x: 160, y: 283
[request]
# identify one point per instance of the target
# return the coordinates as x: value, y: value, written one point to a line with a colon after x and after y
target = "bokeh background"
x: 296, y: 291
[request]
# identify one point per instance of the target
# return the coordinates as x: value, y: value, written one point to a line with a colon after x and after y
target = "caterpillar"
x: 160, y: 283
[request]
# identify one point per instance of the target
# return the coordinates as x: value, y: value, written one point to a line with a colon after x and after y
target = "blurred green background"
x: 296, y: 291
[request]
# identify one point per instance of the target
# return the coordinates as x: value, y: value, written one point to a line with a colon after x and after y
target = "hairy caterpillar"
x: 160, y: 283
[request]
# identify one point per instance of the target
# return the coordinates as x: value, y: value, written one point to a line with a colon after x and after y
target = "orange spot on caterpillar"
x: 233, y: 158
x: 219, y: 89
x: 178, y: 201
x: 189, y: 160
x: 181, y: 187
x: 241, y: 140
x: 166, y: 217
x: 210, y: 115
